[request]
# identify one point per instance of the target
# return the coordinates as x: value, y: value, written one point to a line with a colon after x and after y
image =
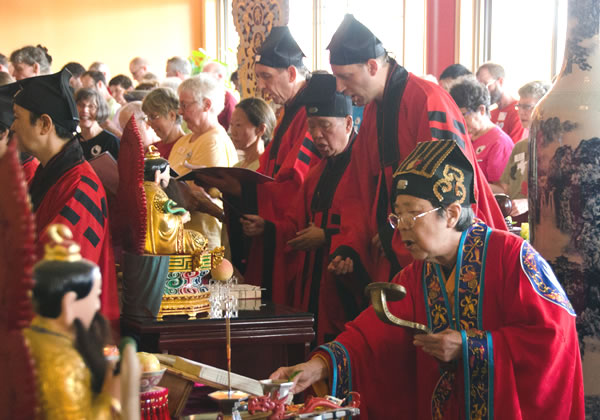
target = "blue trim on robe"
x: 542, y: 278
x: 477, y: 353
x: 478, y: 369
x: 482, y: 282
x: 341, y: 383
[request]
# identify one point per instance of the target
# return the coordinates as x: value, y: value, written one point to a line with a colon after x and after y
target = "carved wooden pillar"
x: 253, y: 21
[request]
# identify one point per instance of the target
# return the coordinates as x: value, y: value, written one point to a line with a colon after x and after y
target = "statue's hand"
x: 186, y: 217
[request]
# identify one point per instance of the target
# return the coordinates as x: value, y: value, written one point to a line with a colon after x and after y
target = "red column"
x: 441, y: 31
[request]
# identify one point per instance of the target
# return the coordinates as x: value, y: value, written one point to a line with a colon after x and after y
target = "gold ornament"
x: 61, y: 246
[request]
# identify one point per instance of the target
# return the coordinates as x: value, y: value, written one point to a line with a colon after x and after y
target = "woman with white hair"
x: 201, y: 99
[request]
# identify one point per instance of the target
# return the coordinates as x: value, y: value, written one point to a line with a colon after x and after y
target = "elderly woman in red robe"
x: 502, y: 342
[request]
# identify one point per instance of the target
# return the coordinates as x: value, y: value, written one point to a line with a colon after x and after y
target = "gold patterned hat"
x: 61, y: 246
x: 437, y: 171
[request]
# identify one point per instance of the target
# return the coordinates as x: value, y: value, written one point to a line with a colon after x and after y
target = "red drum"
x: 154, y: 404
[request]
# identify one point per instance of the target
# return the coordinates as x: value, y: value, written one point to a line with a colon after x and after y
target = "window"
x: 526, y: 37
x: 313, y: 23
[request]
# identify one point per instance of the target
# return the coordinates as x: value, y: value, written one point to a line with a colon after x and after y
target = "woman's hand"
x: 308, y: 373
x: 445, y: 346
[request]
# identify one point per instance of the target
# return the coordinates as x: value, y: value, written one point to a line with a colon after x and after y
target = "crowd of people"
x: 408, y: 199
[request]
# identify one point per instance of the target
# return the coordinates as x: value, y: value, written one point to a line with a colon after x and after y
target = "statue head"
x: 156, y: 169
x: 67, y: 289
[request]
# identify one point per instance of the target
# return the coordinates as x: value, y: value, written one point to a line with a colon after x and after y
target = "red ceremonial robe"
x: 413, y: 110
x: 68, y: 191
x: 520, y: 352
x: 334, y: 300
x: 30, y: 165
x: 287, y: 158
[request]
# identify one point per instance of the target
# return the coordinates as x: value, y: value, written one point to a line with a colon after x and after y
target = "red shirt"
x: 508, y: 120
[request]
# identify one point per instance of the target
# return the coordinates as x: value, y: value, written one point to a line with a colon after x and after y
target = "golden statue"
x: 72, y: 380
x: 165, y: 233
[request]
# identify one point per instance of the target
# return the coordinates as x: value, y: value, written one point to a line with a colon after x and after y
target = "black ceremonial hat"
x: 437, y: 171
x: 6, y: 111
x: 50, y: 94
x: 280, y: 50
x: 321, y: 98
x: 353, y: 43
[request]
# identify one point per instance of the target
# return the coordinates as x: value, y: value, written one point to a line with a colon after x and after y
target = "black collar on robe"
x: 46, y: 176
x: 289, y: 112
x: 387, y: 115
x: 331, y: 176
x: 389, y: 153
x: 25, y: 157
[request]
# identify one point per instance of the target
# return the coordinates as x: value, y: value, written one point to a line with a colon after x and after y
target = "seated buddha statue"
x: 67, y: 336
x: 165, y: 233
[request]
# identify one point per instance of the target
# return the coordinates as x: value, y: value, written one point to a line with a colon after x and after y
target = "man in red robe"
x: 65, y: 189
x: 401, y: 111
x: 313, y: 218
x: 501, y: 341
x: 282, y: 78
x: 504, y: 114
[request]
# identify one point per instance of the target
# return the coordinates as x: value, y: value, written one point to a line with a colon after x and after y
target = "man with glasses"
x: 138, y: 67
x: 281, y: 77
x: 504, y: 115
x: 514, y: 178
x: 501, y: 341
x: 313, y: 219
x: 401, y: 110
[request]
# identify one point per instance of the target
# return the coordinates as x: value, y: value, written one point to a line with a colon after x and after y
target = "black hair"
x: 61, y: 132
x: 90, y: 345
x: 121, y: 80
x: 75, y: 68
x: 152, y: 165
x: 470, y: 94
x: 3, y: 60
x: 96, y: 75
x: 234, y: 77
x: 259, y: 112
x: 53, y: 279
x: 455, y: 71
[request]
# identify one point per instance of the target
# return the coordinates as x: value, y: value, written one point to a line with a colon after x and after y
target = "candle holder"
x: 229, y: 403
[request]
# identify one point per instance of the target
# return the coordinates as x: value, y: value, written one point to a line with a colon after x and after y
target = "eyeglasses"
x: 406, y: 221
x: 91, y: 107
x: 153, y: 117
x: 524, y: 107
x: 490, y: 83
x: 185, y: 106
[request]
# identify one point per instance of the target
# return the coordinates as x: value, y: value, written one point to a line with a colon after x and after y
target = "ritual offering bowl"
x: 151, y: 379
x: 229, y: 402
x: 276, y: 388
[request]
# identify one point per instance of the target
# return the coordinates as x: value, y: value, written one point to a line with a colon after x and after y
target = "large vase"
x: 564, y: 183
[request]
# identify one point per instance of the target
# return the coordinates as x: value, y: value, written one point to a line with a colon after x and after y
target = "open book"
x: 210, y: 375
x: 243, y: 175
